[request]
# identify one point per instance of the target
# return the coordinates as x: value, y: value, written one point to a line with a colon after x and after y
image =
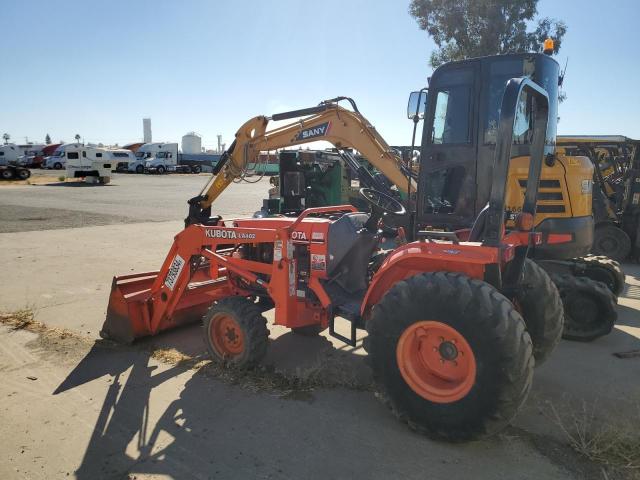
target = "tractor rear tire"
x: 484, y: 330
x: 7, y: 174
x: 236, y: 332
x: 612, y: 242
x: 604, y: 269
x: 589, y: 307
x: 24, y: 173
x: 541, y: 307
x: 308, y: 331
x: 139, y: 169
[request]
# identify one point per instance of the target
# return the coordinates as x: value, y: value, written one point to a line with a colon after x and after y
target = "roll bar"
x: 495, y: 215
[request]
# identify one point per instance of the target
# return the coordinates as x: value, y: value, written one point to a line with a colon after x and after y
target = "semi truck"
x: 148, y: 152
x: 164, y: 157
x: 36, y: 158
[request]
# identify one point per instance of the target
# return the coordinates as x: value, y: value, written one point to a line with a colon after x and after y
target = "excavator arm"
x: 327, y: 122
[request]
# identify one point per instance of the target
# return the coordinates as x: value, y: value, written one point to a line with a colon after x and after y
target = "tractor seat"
x: 350, y: 246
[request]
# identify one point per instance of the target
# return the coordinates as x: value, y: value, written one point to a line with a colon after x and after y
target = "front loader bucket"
x: 130, y: 308
x: 125, y: 319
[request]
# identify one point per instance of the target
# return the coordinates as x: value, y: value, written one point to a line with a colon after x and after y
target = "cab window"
x: 452, y: 114
x: 442, y: 190
x: 451, y: 121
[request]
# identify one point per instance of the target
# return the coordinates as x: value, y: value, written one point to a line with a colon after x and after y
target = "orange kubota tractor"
x: 454, y: 319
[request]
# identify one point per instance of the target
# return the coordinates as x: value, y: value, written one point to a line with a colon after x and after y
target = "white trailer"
x: 94, y: 164
x: 9, y: 154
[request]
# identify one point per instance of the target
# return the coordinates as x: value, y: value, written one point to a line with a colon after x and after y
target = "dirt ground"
x: 76, y: 406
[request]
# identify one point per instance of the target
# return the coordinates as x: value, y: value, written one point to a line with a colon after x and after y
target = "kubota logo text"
x: 228, y: 234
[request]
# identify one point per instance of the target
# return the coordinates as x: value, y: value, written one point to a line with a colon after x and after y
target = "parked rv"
x: 58, y: 159
x: 94, y: 164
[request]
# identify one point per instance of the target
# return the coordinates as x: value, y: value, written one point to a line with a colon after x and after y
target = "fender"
x: 418, y: 257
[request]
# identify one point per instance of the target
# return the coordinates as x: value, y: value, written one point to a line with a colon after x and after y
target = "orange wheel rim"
x: 436, y: 361
x: 226, y: 335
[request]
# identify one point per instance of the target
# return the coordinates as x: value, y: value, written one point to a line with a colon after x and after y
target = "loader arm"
x: 327, y: 122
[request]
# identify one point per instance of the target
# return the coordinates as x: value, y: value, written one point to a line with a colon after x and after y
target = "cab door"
x: 447, y: 183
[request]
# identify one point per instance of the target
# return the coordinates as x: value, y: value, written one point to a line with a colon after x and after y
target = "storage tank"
x: 191, y: 143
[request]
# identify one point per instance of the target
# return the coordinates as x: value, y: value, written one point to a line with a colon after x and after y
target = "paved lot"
x: 98, y: 412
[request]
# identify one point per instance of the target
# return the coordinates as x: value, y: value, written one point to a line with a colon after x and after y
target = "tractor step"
x: 350, y: 312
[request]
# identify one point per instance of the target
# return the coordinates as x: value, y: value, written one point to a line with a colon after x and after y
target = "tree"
x: 6, y: 137
x: 77, y: 137
x: 47, y: 140
x: 473, y: 28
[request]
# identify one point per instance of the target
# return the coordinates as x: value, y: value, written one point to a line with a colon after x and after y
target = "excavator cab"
x: 459, y: 141
x: 460, y: 133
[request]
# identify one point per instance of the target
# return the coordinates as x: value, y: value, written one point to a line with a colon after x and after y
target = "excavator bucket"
x: 129, y: 314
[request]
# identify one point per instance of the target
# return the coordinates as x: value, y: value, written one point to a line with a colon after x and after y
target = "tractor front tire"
x: 450, y: 354
x: 589, y: 307
x: 541, y: 307
x: 236, y: 332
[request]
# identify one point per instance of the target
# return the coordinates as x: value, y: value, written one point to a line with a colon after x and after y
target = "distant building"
x: 146, y: 130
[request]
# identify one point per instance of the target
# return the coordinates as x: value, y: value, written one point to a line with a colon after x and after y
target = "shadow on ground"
x: 190, y: 419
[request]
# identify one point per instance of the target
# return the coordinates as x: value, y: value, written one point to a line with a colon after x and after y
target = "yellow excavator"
x: 615, y: 210
x: 329, y: 122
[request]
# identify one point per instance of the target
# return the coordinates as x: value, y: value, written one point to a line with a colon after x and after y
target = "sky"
x: 96, y: 68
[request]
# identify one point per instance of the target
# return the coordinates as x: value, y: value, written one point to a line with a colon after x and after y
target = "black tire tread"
x: 599, y: 292
x: 480, y: 305
x: 542, y: 310
x: 254, y: 325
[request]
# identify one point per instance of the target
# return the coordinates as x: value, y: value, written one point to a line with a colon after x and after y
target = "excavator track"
x: 603, y: 269
x: 595, y: 267
x: 589, y: 307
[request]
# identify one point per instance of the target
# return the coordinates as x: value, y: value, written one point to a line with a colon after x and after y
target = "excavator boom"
x: 327, y: 122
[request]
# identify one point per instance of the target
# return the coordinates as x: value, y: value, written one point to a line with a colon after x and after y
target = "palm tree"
x: 77, y: 137
x: 6, y: 137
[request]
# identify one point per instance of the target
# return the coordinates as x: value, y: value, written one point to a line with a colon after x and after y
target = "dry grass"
x: 613, y: 443
x: 326, y: 372
x: 24, y: 319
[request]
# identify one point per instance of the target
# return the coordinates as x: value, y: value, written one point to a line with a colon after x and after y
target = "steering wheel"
x: 382, y: 203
